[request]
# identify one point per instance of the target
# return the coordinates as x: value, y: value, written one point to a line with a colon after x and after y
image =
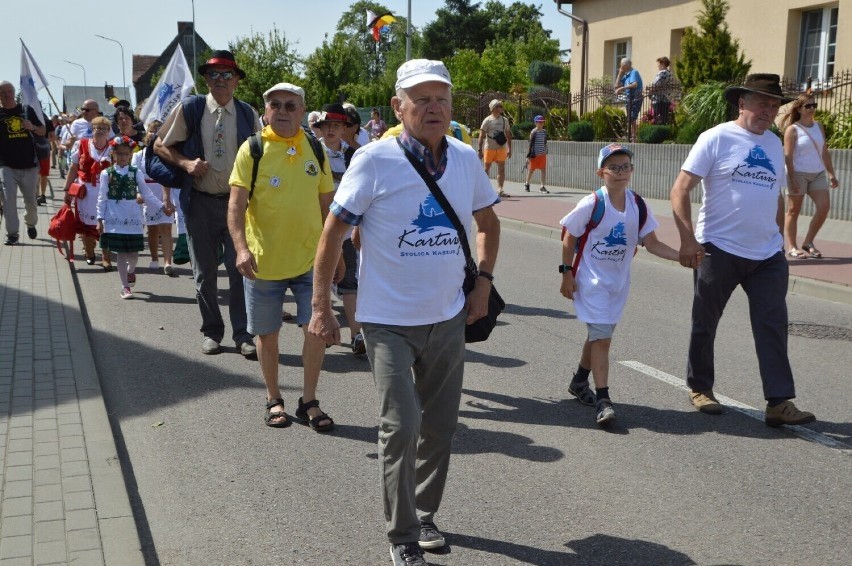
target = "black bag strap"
x: 256, y: 150
x: 442, y: 200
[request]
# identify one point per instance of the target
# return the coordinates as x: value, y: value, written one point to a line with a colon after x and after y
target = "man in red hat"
x: 741, y: 166
x: 201, y: 137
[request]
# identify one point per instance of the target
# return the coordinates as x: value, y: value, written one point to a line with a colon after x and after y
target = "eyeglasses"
x: 100, y: 129
x: 227, y: 75
x: 810, y: 106
x: 616, y: 169
x: 288, y: 106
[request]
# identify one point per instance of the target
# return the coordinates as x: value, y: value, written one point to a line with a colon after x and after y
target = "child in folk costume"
x: 121, y: 190
x: 159, y: 224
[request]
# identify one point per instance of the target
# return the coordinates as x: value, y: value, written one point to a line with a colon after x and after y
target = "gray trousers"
x: 765, y: 285
x: 207, y: 234
x: 27, y: 180
x: 418, y: 372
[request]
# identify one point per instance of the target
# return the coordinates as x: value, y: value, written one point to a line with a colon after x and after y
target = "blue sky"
x: 65, y: 30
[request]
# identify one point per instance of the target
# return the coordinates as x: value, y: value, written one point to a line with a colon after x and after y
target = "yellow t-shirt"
x: 283, y: 220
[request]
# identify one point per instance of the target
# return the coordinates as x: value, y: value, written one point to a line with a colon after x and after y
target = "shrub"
x: 688, y: 133
x: 609, y: 122
x: 704, y: 106
x: 545, y: 72
x: 582, y: 131
x: 841, y: 137
x: 521, y: 131
x: 649, y: 133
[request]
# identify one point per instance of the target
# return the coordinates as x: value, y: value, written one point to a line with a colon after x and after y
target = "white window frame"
x: 618, y: 55
x: 825, y: 58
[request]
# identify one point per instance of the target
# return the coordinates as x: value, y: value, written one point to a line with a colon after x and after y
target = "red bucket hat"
x: 221, y: 58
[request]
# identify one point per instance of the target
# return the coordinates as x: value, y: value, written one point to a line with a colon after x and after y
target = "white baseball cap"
x: 416, y: 71
x: 285, y: 87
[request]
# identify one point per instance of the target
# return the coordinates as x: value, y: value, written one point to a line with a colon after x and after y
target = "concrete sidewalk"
x: 63, y: 499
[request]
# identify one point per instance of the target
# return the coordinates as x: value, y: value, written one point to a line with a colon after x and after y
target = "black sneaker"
x: 41, y: 200
x: 408, y: 554
x: 430, y: 537
x: 527, y: 187
x: 32, y: 233
x: 359, y: 347
x: 605, y: 414
x: 544, y: 190
x: 11, y: 240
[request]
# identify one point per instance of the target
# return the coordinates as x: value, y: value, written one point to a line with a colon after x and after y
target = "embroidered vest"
x: 89, y: 170
x: 122, y: 187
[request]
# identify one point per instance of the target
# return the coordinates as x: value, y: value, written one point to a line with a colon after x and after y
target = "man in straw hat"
x: 201, y: 136
x: 410, y: 299
x: 741, y: 166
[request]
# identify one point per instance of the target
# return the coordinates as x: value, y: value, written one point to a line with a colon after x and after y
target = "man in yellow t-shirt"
x: 275, y: 234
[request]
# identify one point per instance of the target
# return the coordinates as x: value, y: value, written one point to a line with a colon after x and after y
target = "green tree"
x: 466, y: 70
x: 459, y: 25
x: 266, y: 60
x: 333, y: 64
x: 710, y: 53
x: 519, y: 21
x: 545, y: 72
x: 375, y: 57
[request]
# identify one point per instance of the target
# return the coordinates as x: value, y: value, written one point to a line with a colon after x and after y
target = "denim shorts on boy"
x: 600, y: 331
x: 265, y: 299
x: 807, y: 182
x: 349, y: 284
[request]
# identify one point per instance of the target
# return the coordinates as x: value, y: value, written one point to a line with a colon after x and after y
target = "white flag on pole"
x: 32, y: 81
x: 171, y: 89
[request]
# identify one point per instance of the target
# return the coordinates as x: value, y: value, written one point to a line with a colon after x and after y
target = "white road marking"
x: 747, y: 410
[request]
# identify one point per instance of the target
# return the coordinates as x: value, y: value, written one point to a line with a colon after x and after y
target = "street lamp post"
x: 85, y: 85
x: 123, y: 79
x: 65, y: 84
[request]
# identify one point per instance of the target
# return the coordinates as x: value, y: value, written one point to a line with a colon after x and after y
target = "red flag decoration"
x: 377, y: 24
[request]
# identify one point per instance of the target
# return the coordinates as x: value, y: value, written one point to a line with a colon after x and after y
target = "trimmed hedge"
x: 582, y: 131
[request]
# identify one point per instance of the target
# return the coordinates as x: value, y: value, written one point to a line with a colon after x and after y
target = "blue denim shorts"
x: 265, y: 299
x: 599, y: 331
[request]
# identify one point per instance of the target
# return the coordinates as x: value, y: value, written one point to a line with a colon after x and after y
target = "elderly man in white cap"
x: 410, y: 300
x: 275, y: 215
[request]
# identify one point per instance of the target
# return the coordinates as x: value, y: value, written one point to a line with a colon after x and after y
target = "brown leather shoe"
x: 705, y: 402
x: 787, y: 413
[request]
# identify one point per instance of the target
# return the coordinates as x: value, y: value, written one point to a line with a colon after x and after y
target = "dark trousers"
x: 207, y: 234
x: 765, y: 284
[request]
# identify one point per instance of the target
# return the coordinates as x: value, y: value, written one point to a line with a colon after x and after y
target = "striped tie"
x: 219, y: 140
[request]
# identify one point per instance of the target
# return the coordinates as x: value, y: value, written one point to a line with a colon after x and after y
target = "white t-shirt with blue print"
x: 603, y: 274
x: 411, y: 266
x: 743, y: 175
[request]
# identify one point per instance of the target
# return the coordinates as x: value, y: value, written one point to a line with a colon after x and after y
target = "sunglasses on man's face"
x: 288, y: 106
x: 810, y: 106
x: 214, y: 75
x: 90, y: 109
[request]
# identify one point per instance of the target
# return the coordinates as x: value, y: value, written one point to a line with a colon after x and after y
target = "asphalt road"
x: 533, y: 479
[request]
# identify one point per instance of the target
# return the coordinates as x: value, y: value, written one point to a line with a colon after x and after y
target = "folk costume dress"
x: 153, y: 216
x: 117, y: 207
x: 90, y: 162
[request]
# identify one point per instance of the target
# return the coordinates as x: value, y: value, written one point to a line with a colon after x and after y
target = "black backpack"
x: 256, y: 150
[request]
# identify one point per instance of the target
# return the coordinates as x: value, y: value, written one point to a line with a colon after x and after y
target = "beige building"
x: 794, y: 38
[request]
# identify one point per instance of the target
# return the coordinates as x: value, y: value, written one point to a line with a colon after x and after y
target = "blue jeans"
x: 765, y: 285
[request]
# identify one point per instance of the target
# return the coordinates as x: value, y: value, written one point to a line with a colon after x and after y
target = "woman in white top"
x: 807, y: 159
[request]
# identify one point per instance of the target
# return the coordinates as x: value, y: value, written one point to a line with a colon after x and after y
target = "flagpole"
x: 194, y: 54
x: 408, y: 34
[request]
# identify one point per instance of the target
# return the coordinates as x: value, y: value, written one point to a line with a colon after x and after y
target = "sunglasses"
x: 227, y: 75
x: 810, y: 106
x: 616, y: 169
x: 90, y: 109
x: 288, y: 106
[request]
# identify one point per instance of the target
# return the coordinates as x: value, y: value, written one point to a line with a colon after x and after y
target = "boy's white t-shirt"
x: 603, y: 274
x: 742, y: 177
x: 412, y: 266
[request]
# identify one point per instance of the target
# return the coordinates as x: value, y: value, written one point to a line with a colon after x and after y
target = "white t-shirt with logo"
x: 742, y: 177
x: 603, y: 274
x: 412, y: 264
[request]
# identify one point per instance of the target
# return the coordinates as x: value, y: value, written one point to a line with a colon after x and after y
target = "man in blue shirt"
x: 629, y: 84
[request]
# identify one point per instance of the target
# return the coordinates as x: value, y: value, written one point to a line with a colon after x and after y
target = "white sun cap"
x: 285, y: 87
x: 416, y: 71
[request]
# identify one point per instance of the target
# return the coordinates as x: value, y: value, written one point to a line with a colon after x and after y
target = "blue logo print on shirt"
x: 757, y: 170
x: 431, y: 215
x: 430, y: 218
x: 616, y: 236
x: 757, y: 158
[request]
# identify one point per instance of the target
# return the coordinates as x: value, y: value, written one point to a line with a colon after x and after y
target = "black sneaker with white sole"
x: 408, y: 554
x: 11, y: 240
x: 604, y: 413
x: 430, y: 537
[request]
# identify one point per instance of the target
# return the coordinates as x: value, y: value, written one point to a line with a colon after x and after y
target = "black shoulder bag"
x: 481, y: 329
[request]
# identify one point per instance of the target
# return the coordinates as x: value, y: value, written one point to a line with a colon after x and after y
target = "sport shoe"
x: 248, y: 350
x: 210, y: 347
x: 32, y: 233
x: 544, y: 190
x: 11, y: 240
x: 126, y: 293
x: 605, y: 413
x: 787, y: 413
x: 527, y: 187
x: 168, y: 269
x: 154, y: 265
x: 430, y: 537
x: 408, y: 554
x: 359, y: 347
x: 131, y: 279
x: 705, y: 402
x: 41, y: 200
